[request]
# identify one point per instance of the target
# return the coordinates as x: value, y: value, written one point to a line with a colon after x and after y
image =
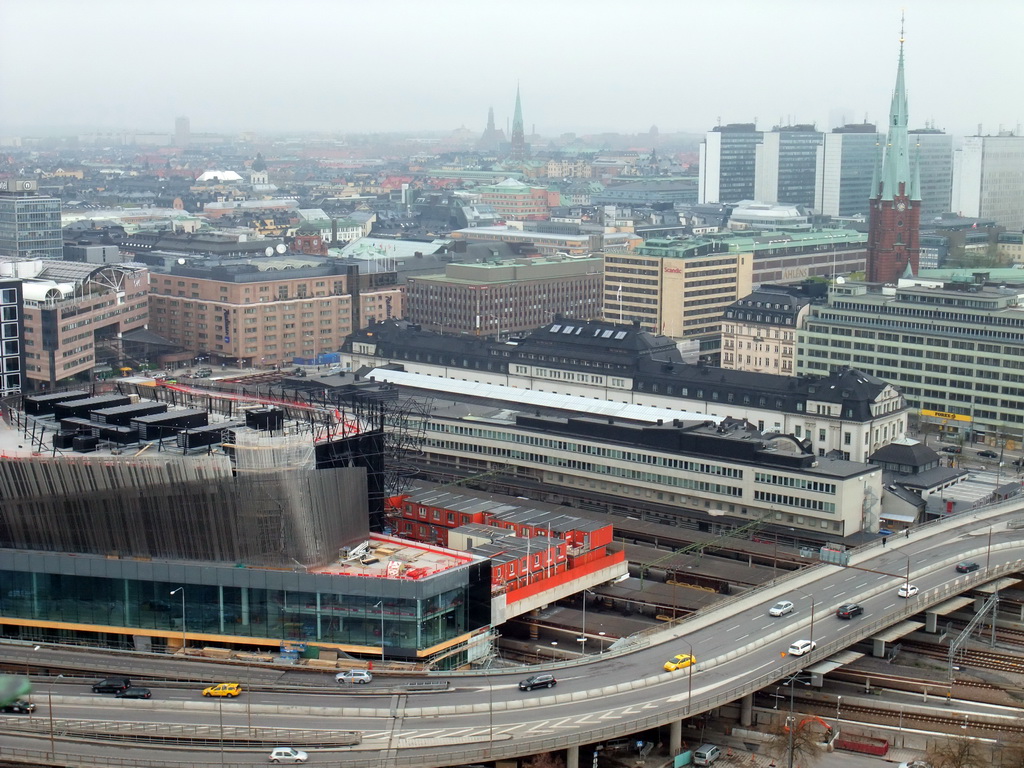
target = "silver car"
x: 354, y: 676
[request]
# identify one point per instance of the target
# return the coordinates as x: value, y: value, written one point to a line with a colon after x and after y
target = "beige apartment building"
x: 759, y: 331
x: 498, y: 298
x: 676, y: 288
x: 265, y: 312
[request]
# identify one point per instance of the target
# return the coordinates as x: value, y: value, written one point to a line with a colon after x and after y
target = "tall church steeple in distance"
x: 895, y: 205
x: 492, y: 137
x: 518, y: 138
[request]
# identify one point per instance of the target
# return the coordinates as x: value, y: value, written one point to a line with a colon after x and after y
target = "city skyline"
x: 401, y: 66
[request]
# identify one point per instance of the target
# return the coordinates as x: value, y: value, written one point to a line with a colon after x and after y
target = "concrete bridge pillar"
x: 675, y: 737
x: 572, y: 757
x: 747, y: 710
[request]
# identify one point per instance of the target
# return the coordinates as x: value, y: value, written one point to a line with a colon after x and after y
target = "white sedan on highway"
x: 800, y: 647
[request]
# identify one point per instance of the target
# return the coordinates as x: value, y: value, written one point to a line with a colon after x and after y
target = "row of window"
x: 564, y: 447
x: 800, y: 483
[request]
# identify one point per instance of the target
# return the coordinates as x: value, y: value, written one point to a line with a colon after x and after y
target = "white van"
x: 706, y: 754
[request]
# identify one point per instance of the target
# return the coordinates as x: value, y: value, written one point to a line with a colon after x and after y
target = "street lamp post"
x: 381, y: 606
x: 906, y: 580
x: 27, y: 664
x: 811, y: 598
x: 490, y: 718
x: 689, y: 678
x: 583, y: 639
x: 49, y: 712
x: 184, y: 636
x: 220, y: 710
x: 790, y: 720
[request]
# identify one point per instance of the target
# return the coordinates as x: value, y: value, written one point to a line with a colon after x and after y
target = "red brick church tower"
x: 895, y: 206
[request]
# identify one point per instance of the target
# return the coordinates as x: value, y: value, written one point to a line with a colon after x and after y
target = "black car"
x: 952, y: 449
x: 20, y: 707
x: 967, y: 566
x: 112, y: 685
x: 538, y: 681
x: 849, y: 610
x: 134, y: 692
x: 988, y: 454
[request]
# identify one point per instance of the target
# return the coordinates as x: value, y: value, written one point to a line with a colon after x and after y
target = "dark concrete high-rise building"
x: 181, y: 132
x: 932, y: 151
x: 785, y: 163
x: 846, y: 159
x: 895, y: 207
x: 12, y: 339
x: 728, y: 162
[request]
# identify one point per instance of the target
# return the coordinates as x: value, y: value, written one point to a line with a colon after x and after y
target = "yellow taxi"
x: 223, y: 689
x: 679, y: 661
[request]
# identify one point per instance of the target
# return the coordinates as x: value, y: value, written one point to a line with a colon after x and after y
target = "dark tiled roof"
x: 916, y: 455
x: 654, y: 363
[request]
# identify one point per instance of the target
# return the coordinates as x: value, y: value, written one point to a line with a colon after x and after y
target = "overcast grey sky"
x: 584, y: 66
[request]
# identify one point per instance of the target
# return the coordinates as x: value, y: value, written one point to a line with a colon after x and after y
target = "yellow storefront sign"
x: 944, y: 415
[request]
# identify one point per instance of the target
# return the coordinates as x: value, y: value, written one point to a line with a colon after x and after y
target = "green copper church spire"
x: 896, y: 166
x: 518, y: 138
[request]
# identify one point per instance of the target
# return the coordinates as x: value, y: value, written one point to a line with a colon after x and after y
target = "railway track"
x: 959, y: 723
x: 1003, y: 634
x: 903, y: 683
x: 968, y: 657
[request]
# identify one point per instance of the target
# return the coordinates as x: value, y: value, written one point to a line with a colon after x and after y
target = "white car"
x: 907, y: 590
x: 800, y: 647
x: 354, y: 676
x: 781, y: 608
x: 288, y: 755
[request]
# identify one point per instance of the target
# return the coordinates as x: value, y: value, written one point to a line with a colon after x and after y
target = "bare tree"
x: 1010, y: 753
x: 544, y: 760
x: 956, y: 752
x: 807, y: 743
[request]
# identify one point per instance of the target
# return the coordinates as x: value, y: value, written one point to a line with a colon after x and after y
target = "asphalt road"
x: 739, y: 648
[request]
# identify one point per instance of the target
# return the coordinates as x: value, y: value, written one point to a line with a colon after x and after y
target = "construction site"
x: 157, y: 517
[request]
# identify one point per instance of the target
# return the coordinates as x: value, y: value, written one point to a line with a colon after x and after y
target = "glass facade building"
x: 60, y: 597
x: 786, y: 165
x: 727, y: 163
x: 933, y: 152
x: 845, y: 165
x: 30, y: 226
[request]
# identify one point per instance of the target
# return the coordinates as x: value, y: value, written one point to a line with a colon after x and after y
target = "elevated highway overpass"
x: 739, y: 649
